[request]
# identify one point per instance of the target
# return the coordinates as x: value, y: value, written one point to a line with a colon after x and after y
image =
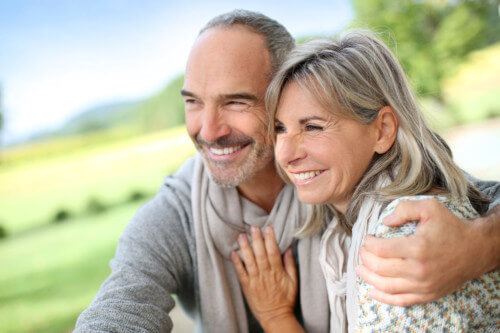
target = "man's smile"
x: 225, y: 153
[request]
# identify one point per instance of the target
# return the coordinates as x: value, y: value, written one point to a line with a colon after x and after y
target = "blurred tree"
x: 3, y: 232
x: 165, y: 109
x: 433, y: 36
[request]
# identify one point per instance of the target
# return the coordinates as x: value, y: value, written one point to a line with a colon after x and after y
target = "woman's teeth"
x: 225, y: 150
x: 306, y: 175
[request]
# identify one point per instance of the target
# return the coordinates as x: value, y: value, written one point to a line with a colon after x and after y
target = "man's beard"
x: 234, y: 173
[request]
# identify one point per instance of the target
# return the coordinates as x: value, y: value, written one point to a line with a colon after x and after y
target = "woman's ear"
x: 387, y: 129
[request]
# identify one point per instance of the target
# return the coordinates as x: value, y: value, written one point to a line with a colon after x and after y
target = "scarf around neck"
x: 220, y: 214
x: 339, y: 256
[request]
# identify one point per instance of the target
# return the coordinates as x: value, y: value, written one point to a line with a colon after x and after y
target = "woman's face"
x: 324, y: 155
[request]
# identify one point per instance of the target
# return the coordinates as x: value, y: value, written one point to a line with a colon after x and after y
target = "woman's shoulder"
x: 474, y: 306
x: 461, y: 207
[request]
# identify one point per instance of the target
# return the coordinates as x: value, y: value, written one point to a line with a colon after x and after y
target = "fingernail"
x: 388, y: 219
x: 268, y: 230
x: 253, y: 229
x: 241, y: 237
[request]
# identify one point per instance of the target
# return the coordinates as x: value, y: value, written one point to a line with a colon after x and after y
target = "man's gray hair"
x: 278, y: 40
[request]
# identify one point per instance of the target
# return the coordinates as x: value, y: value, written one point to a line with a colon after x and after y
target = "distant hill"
x: 100, y: 118
x: 162, y: 110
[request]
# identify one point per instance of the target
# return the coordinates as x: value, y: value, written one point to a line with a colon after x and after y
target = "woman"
x: 350, y: 136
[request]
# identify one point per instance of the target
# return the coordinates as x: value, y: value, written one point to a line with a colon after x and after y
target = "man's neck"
x: 264, y: 188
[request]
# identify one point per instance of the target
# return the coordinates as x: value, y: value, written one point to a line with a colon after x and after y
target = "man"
x: 180, y: 242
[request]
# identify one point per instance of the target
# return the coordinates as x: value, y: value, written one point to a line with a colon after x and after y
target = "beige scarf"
x: 220, y: 214
x: 339, y: 256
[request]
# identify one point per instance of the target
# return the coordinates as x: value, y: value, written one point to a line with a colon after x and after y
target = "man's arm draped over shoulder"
x: 153, y: 260
x: 444, y: 252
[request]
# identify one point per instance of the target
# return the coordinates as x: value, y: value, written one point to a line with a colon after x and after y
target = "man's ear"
x: 387, y: 129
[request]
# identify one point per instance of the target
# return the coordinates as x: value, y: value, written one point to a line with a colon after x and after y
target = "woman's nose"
x: 289, y: 149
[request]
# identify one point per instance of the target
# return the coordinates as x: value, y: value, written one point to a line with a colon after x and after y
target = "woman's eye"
x: 279, y: 129
x: 313, y: 128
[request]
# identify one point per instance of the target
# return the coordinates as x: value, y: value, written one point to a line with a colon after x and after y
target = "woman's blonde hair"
x: 355, y: 76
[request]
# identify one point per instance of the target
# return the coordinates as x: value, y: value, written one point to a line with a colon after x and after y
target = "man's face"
x: 227, y: 75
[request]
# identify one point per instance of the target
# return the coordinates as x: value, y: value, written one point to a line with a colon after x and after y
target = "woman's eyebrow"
x: 305, y: 120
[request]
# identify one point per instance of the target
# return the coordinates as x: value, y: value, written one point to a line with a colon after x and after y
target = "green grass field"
x: 50, y: 276
x: 50, y: 272
x: 32, y: 193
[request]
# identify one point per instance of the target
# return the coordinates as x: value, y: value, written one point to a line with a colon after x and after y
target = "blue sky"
x: 58, y: 58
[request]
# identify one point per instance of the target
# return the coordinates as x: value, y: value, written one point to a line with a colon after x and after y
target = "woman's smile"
x: 305, y: 177
x: 323, y: 154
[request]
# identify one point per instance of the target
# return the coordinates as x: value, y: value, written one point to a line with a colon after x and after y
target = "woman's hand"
x: 269, y: 285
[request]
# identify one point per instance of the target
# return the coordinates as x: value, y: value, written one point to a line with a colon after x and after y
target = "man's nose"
x: 213, y: 125
x: 289, y: 149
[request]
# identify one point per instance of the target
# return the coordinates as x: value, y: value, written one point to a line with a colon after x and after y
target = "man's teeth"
x: 306, y: 175
x: 225, y: 150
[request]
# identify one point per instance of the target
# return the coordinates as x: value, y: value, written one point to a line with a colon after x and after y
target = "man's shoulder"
x: 181, y: 180
x: 170, y: 208
x: 175, y: 189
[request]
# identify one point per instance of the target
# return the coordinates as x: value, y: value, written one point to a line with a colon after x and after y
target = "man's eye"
x: 235, y: 103
x: 190, y: 101
x: 313, y: 128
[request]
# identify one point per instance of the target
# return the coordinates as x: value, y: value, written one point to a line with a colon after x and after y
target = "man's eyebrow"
x: 246, y: 96
x: 186, y: 93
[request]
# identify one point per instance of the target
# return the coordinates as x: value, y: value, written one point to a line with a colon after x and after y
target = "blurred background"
x: 91, y: 120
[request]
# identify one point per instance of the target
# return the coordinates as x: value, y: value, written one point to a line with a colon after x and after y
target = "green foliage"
x: 472, y: 94
x: 96, y: 206
x: 3, y: 232
x: 432, y: 36
x: 136, y: 195
x: 163, y: 110
x: 61, y: 215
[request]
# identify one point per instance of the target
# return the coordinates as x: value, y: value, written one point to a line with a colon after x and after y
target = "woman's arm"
x: 270, y: 287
